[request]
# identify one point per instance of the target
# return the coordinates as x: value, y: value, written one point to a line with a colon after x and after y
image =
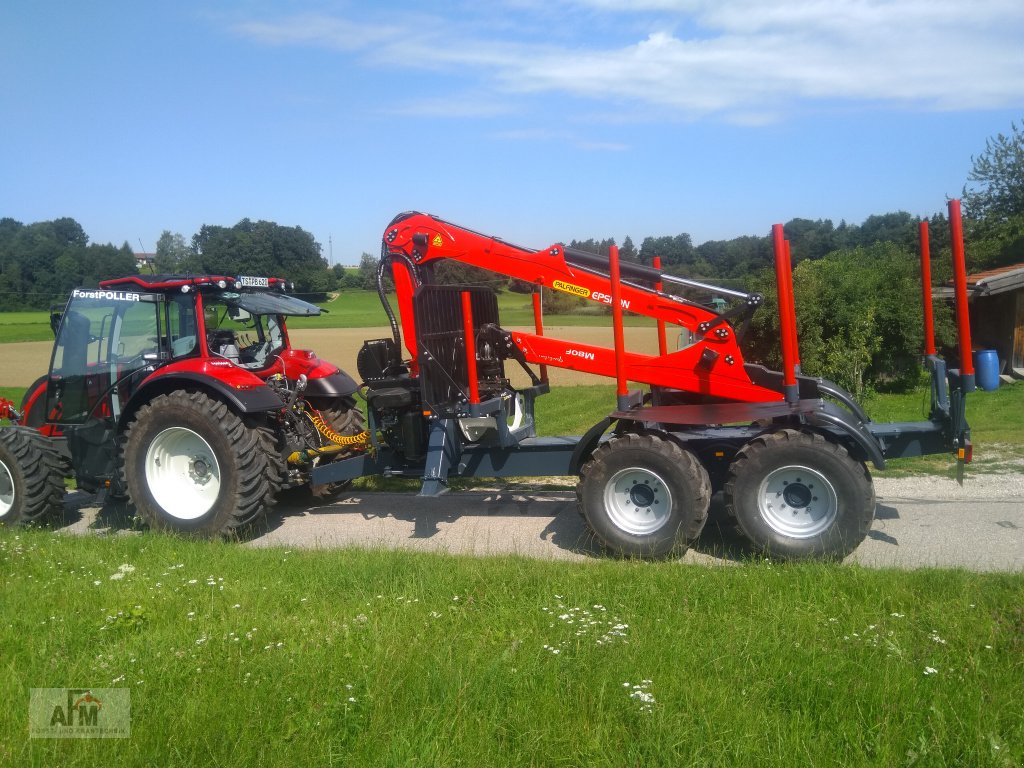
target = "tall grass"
x: 250, y: 657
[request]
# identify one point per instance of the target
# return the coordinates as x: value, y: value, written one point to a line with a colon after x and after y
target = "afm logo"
x: 79, y: 713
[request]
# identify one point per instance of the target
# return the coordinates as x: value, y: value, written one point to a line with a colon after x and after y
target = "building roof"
x: 989, y: 282
x: 997, y: 280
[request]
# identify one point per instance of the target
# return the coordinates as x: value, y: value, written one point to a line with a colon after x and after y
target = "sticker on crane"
x: 579, y: 290
x: 437, y: 242
x: 575, y: 290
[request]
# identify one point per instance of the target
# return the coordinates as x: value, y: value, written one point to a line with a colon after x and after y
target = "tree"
x: 628, y: 251
x: 368, y: 271
x: 857, y: 321
x: 994, y: 201
x: 172, y: 253
x: 996, y: 193
x: 259, y: 248
x: 675, y: 252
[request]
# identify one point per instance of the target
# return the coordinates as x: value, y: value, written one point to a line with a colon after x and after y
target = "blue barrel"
x: 986, y: 369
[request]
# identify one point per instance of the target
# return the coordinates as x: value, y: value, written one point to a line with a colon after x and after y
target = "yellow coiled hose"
x: 341, y: 442
x: 325, y: 429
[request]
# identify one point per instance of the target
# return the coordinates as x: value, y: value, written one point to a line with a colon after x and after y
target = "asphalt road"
x: 919, y: 522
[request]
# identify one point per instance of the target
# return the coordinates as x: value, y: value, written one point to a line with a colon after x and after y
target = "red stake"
x: 787, y: 331
x: 620, y: 342
x: 660, y: 286
x: 538, y: 322
x: 467, y: 326
x: 926, y: 289
x: 963, y: 320
x: 792, y: 311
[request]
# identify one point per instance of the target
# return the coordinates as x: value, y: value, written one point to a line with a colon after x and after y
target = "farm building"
x: 996, y: 301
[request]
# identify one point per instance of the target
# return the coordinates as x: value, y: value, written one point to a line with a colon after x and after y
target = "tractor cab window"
x: 235, y: 334
x: 248, y: 328
x: 104, y: 338
x: 182, y: 328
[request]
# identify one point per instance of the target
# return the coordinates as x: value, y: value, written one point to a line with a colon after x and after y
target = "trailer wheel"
x: 192, y: 465
x: 799, y: 496
x: 31, y: 481
x: 644, y: 495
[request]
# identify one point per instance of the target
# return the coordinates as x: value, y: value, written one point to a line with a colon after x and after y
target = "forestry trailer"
x: 201, y: 440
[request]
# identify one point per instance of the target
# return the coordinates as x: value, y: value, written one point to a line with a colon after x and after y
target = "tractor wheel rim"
x: 182, y: 473
x: 638, y: 501
x: 798, y: 502
x: 6, y: 490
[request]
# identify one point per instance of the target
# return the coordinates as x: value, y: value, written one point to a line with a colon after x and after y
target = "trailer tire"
x: 643, y: 495
x: 192, y: 466
x: 799, y: 496
x: 31, y: 480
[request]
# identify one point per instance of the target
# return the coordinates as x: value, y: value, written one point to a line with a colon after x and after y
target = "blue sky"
x: 536, y: 121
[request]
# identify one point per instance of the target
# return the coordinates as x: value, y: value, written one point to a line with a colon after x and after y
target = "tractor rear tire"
x: 345, y: 418
x: 798, y: 496
x: 643, y: 495
x: 31, y: 480
x: 192, y: 466
x: 342, y: 414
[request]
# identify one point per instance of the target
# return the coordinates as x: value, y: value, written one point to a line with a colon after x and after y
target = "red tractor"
x: 185, y: 395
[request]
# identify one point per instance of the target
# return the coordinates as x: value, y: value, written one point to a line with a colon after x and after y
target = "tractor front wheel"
x: 643, y: 495
x: 31, y: 481
x: 192, y: 465
x: 799, y: 496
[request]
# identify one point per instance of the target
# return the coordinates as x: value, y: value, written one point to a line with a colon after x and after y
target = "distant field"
x: 350, y: 309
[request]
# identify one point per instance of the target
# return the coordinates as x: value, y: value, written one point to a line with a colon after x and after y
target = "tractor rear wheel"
x: 344, y: 417
x: 643, y: 495
x: 341, y: 414
x: 192, y: 465
x: 31, y: 481
x: 799, y: 496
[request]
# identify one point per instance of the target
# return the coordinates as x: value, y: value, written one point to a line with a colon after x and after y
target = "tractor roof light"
x: 185, y: 288
x: 222, y: 284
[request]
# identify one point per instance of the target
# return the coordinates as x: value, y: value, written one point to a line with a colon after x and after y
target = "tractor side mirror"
x: 55, y: 316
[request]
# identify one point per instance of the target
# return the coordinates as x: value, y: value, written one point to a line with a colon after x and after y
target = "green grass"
x: 241, y: 657
x: 349, y: 309
x: 997, y: 431
x: 25, y: 326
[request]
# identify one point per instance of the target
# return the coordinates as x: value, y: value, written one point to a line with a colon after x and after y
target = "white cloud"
x: 743, y: 60
x: 321, y: 30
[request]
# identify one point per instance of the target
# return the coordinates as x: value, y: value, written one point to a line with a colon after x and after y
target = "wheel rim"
x: 6, y: 490
x: 182, y: 473
x: 638, y: 501
x: 798, y: 502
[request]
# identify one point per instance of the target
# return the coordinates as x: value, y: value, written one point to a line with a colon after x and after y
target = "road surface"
x: 919, y: 522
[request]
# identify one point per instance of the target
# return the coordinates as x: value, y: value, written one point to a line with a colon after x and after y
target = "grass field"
x: 240, y: 657
x: 350, y: 309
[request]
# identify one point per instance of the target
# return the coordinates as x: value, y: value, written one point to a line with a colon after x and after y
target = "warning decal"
x: 437, y: 242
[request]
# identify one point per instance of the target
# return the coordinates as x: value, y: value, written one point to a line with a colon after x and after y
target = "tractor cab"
x: 106, y: 341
